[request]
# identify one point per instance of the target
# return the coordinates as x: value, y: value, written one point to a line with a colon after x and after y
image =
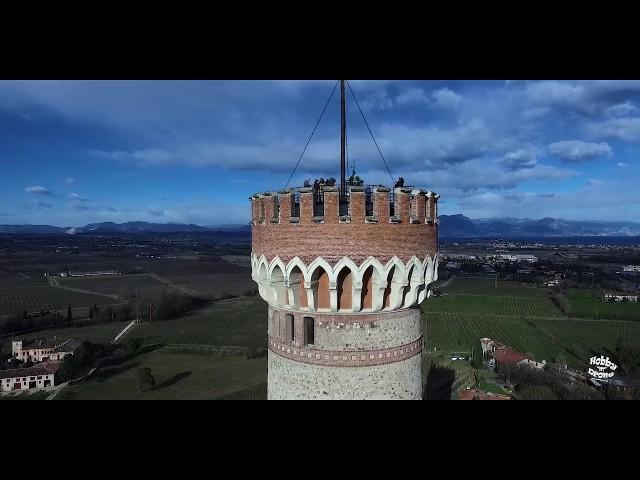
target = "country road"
x: 53, y: 281
x: 169, y: 283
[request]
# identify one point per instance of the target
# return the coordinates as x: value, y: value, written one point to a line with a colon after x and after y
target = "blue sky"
x: 76, y: 152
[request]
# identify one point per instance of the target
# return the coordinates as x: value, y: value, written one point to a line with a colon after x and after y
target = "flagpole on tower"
x: 343, y: 142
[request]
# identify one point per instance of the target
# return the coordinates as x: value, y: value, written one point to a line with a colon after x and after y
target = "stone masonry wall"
x: 349, y: 332
x: 293, y: 380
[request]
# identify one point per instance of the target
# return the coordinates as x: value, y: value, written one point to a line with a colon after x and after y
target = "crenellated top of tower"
x: 374, y: 220
x: 373, y: 204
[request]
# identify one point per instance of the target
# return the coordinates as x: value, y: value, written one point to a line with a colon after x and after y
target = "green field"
x: 448, y: 332
x: 177, y: 376
x: 590, y: 336
x: 122, y: 285
x: 479, y: 295
x: 255, y: 392
x: 34, y: 299
x: 21, y: 279
x: 575, y: 340
x: 524, y: 318
x: 207, y: 276
x: 488, y: 286
x: 102, y: 333
x: 238, y: 322
x: 587, y: 304
x: 493, y: 305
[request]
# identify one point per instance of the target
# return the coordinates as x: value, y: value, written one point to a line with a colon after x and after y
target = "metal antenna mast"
x: 343, y: 141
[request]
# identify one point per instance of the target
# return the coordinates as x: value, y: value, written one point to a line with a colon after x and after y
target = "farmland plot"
x: 113, y: 285
x: 493, y: 305
x: 35, y: 299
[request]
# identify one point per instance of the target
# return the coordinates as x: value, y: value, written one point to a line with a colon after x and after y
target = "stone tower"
x: 344, y: 281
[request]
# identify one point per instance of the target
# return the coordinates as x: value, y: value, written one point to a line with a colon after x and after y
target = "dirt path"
x: 446, y: 283
x: 169, y: 283
x: 525, y: 317
x: 53, y: 281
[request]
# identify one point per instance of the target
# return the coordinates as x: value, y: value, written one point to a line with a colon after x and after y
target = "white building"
x: 20, y: 379
x: 518, y: 258
x: 614, y: 297
x: 43, y: 350
x: 631, y: 268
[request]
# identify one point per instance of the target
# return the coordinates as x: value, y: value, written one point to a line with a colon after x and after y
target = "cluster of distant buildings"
x: 47, y: 356
x: 69, y: 273
x: 505, y: 257
x: 620, y: 297
x: 500, y: 355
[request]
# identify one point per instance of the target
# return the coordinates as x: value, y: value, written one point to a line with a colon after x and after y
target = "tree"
x: 69, y: 314
x: 145, y: 378
x: 91, y: 312
x: 477, y: 357
x: 134, y: 344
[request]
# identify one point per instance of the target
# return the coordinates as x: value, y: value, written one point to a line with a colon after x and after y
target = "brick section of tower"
x: 381, y: 206
x: 306, y: 207
x: 356, y: 241
x: 403, y: 206
x: 276, y: 233
x: 356, y: 207
x: 421, y: 206
x: 331, y: 207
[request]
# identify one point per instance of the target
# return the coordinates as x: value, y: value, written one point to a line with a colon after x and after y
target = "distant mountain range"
x: 450, y: 226
x: 128, y: 227
x: 461, y: 226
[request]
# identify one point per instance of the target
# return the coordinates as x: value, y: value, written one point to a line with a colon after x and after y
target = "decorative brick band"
x: 346, y: 358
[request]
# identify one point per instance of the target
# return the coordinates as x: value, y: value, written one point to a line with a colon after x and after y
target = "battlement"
x: 362, y: 205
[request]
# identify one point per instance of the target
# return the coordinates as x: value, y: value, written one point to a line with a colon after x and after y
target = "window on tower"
x: 309, y: 333
x: 291, y: 328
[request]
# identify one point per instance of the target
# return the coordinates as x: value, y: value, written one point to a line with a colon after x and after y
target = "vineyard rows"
x: 35, y: 299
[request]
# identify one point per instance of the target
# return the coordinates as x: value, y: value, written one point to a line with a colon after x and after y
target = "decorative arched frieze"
x: 391, y: 286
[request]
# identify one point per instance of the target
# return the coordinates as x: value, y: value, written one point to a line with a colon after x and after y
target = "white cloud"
x: 38, y: 189
x: 577, y: 151
x: 77, y: 197
x: 522, y: 158
x: 554, y: 93
x: 443, y: 98
x: 376, y: 100
x: 402, y: 145
x: 623, y: 164
x: 446, y: 98
x: 70, y: 180
x: 598, y: 182
x: 412, y: 96
x: 155, y: 156
x: 621, y: 109
x: 627, y: 128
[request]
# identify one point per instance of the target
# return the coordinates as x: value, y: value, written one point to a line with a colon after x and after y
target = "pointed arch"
x: 344, y: 284
x: 320, y: 262
x: 372, y: 278
x: 296, y: 262
x: 297, y: 294
x: 320, y: 285
x: 415, y: 284
x: 374, y: 263
x: 413, y: 267
x: 277, y: 284
x: 346, y: 262
x: 277, y: 262
x: 428, y: 271
x: 263, y: 281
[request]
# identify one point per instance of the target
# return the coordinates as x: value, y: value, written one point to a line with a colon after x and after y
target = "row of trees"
x: 150, y: 307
